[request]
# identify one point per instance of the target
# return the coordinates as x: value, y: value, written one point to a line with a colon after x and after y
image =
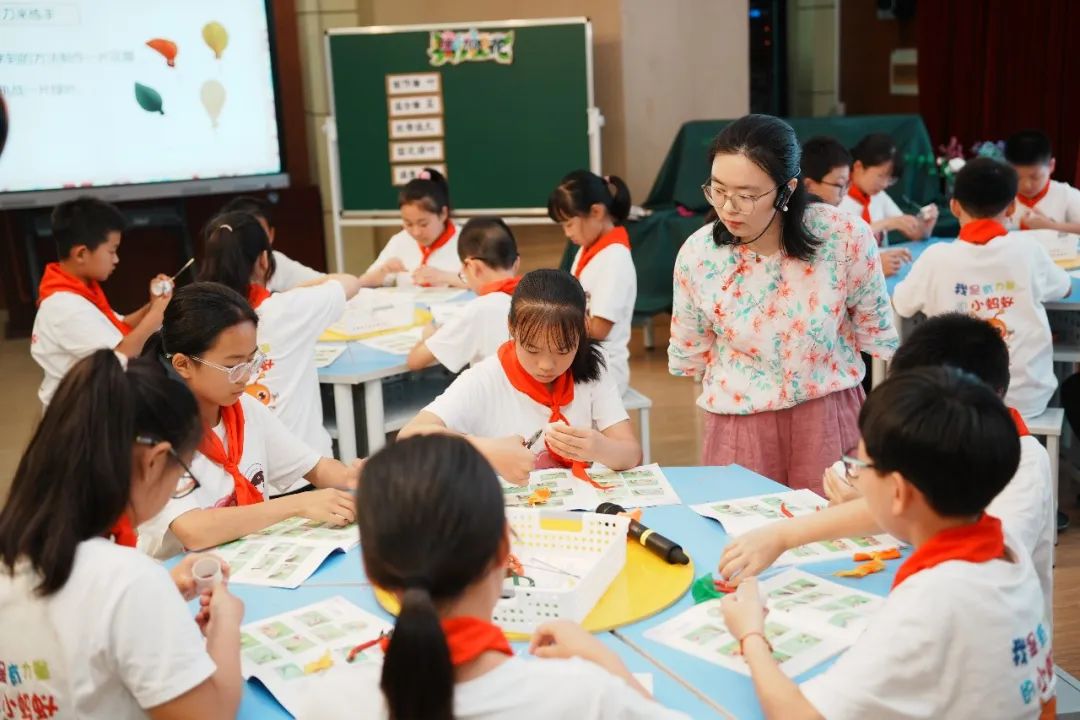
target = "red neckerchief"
x: 978, y: 542
x: 256, y: 294
x: 1031, y: 202
x: 856, y: 194
x: 555, y: 398
x: 468, y: 638
x: 615, y: 236
x: 427, y: 251
x: 980, y: 232
x: 123, y: 533
x: 1021, y: 426
x: 56, y: 279
x: 232, y: 417
x: 507, y: 286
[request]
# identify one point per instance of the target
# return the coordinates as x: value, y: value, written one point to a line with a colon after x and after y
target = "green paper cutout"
x: 148, y: 98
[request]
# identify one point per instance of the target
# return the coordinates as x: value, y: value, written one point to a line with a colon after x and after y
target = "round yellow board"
x: 647, y: 585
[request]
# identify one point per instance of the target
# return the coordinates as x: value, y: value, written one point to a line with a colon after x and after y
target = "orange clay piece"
x: 886, y: 554
x: 859, y: 571
x: 724, y: 586
x: 634, y: 514
x: 540, y: 496
x: 513, y: 565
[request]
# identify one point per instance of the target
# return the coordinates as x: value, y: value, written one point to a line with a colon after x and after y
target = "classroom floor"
x: 676, y: 434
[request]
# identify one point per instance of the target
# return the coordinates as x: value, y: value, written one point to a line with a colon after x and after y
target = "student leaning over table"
x: 772, y: 305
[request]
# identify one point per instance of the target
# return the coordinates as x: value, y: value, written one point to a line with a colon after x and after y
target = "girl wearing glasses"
x: 489, y: 265
x: 772, y: 305
x: 238, y: 255
x: 111, y: 444
x: 425, y: 251
x: 591, y: 210
x: 877, y: 167
x: 209, y: 340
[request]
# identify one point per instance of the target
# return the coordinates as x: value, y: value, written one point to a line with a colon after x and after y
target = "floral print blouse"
x: 768, y: 332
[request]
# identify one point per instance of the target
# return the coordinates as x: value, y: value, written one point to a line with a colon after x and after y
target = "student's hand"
x: 750, y: 553
x: 565, y: 639
x: 837, y: 489
x: 328, y: 505
x: 510, y: 458
x: 893, y: 260
x: 744, y: 611
x: 219, y: 611
x: 930, y: 215
x: 909, y: 226
x: 181, y: 573
x: 427, y: 275
x: 1035, y: 220
x: 161, y: 283
x: 353, y: 471
x: 388, y: 268
x: 574, y: 443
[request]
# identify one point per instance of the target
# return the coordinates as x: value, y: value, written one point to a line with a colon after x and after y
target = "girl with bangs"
x: 546, y: 398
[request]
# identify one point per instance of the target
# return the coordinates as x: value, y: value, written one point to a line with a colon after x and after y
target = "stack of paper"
x: 285, y: 554
x: 643, y: 486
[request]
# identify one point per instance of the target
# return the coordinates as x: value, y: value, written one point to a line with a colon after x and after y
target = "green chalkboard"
x: 511, y: 126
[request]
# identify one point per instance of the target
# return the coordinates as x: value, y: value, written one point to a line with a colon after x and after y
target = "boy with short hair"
x: 826, y: 173
x: 962, y: 633
x: 288, y: 273
x: 1001, y: 277
x: 1041, y: 203
x: 74, y: 317
x: 1025, y: 506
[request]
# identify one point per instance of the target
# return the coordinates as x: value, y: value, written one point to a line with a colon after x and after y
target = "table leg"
x: 373, y: 414
x: 346, y: 422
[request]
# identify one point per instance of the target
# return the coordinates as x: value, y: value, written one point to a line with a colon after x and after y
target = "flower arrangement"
x: 952, y: 158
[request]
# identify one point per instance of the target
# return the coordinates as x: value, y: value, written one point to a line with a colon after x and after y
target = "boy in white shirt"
x: 995, y: 275
x: 1041, y: 203
x: 288, y: 273
x: 962, y: 633
x: 1025, y: 506
x: 74, y: 317
x: 489, y: 264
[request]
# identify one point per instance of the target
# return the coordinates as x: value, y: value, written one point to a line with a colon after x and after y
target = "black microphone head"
x: 609, y: 508
x: 678, y: 557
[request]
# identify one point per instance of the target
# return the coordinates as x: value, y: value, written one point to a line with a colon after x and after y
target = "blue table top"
x: 702, y: 538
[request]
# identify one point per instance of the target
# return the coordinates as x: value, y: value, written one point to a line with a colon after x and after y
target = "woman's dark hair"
x: 194, y: 318
x: 550, y: 305
x: 877, y: 149
x: 430, y: 191
x: 581, y: 189
x: 488, y: 239
x: 770, y: 143
x: 74, y: 480
x: 445, y: 532
x: 253, y: 206
x: 946, y: 432
x: 234, y: 242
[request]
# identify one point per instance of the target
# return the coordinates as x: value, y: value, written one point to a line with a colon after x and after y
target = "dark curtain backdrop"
x: 988, y: 68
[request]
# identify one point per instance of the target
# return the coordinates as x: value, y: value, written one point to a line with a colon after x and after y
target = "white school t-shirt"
x: 67, y: 328
x: 273, y: 458
x: 289, y: 273
x: 1061, y: 204
x: 290, y: 324
x: 405, y: 248
x: 1026, y: 509
x: 521, y: 689
x: 1005, y: 281
x: 882, y: 207
x: 957, y: 640
x: 473, y: 334
x: 610, y: 283
x: 481, y: 401
x: 116, y: 640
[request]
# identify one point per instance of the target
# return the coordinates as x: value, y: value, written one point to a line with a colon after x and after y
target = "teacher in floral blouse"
x: 772, y: 305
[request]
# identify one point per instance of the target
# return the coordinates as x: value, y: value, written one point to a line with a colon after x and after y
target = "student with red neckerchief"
x: 74, y: 317
x: 963, y: 632
x: 208, y: 340
x: 550, y: 377
x: 435, y: 535
x: 96, y: 628
x: 592, y: 211
x: 424, y: 253
x: 489, y: 264
x: 238, y: 254
x: 1041, y: 203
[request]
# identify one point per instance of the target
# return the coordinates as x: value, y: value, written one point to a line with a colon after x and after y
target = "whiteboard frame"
x: 385, y: 218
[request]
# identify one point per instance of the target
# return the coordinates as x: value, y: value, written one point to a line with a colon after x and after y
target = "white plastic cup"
x: 207, y: 574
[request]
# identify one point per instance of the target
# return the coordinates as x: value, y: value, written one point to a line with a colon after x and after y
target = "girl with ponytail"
x: 93, y: 628
x: 592, y: 211
x: 443, y: 552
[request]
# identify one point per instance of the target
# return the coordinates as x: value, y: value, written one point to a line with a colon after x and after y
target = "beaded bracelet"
x: 750, y: 635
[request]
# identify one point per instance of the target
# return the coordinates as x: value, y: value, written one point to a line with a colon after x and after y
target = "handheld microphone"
x: 649, y: 539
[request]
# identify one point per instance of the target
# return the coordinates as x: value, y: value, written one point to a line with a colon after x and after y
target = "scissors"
x: 532, y: 441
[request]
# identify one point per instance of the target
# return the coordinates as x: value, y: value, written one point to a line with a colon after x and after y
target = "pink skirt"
x: 792, y: 446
